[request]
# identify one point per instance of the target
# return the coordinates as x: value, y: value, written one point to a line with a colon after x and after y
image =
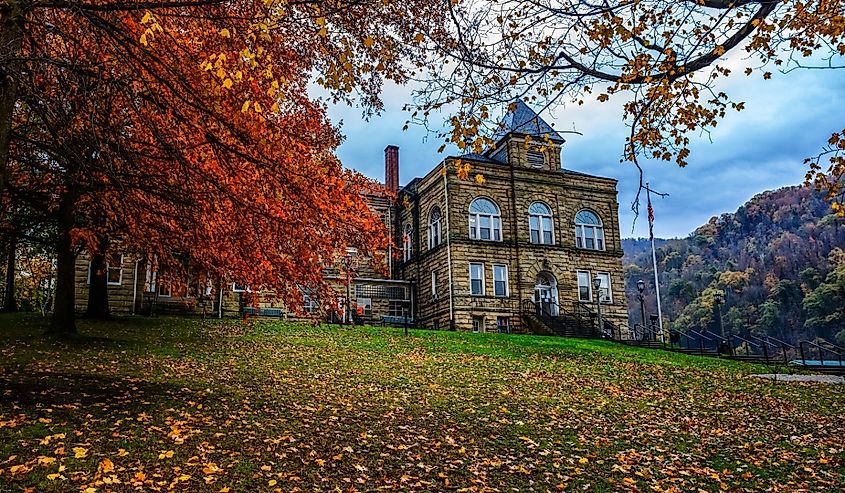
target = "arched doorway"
x: 545, y: 293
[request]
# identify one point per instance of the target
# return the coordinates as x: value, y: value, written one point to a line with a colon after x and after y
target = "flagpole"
x: 654, y: 262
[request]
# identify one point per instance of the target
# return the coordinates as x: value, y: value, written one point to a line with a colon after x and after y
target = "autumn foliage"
x: 185, y: 132
x: 664, y: 61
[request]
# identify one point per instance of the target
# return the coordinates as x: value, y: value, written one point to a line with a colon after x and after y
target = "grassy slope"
x: 207, y: 405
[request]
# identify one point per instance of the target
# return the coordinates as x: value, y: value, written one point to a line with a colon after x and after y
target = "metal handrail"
x: 833, y: 346
x: 782, y: 346
x: 746, y: 341
x: 762, y: 349
x: 722, y: 340
x: 701, y: 338
x: 821, y: 349
x: 647, y: 330
x: 546, y: 316
x: 615, y: 332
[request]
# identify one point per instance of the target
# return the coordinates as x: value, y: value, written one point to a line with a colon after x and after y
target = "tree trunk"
x: 11, y: 35
x: 10, y: 305
x: 98, y: 288
x: 63, y: 321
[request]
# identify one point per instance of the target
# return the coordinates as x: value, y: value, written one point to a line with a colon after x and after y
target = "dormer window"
x: 536, y: 159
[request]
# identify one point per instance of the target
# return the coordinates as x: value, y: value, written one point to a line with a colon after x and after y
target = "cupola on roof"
x: 523, y: 120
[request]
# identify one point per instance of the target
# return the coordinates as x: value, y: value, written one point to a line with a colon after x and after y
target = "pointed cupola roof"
x: 523, y: 120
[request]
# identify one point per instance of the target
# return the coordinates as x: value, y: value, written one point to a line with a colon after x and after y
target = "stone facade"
x: 513, y: 179
x: 135, y: 288
x: 427, y: 271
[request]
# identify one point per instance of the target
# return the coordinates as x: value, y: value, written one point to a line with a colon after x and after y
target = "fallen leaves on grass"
x: 208, y: 406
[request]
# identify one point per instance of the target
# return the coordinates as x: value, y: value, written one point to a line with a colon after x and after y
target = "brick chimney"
x: 391, y: 168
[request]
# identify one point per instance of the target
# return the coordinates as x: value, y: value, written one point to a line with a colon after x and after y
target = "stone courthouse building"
x: 519, y: 251
x: 531, y: 236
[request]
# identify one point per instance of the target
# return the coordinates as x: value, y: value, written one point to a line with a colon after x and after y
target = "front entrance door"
x: 543, y: 298
x: 545, y: 295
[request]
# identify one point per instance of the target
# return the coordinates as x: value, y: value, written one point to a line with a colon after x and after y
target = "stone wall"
x: 513, y: 188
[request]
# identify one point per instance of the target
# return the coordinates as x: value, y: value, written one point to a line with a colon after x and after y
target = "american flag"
x: 650, y: 217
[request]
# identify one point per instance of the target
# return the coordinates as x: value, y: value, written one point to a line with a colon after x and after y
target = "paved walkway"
x: 780, y: 377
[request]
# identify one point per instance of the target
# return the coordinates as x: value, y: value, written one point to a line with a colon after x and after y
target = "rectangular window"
x: 579, y: 234
x: 434, y: 284
x: 604, y: 291
x: 239, y: 288
x: 484, y: 227
x: 497, y: 229
x: 500, y: 280
x: 309, y: 304
x: 589, y: 238
x: 114, y: 270
x: 599, y: 239
x: 476, y: 279
x: 503, y: 325
x: 472, y: 227
x: 585, y: 289
x: 478, y: 324
x: 164, y: 290
x: 150, y: 280
x: 547, y: 230
x: 396, y: 308
x: 534, y: 226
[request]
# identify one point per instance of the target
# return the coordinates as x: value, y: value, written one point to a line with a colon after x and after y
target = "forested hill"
x: 779, y: 261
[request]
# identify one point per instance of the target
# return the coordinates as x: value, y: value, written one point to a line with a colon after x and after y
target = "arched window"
x: 540, y: 223
x: 589, y: 232
x: 485, y: 223
x: 407, y: 245
x: 434, y: 228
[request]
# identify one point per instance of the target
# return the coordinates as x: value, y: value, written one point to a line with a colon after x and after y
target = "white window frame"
x: 392, y: 304
x: 435, y: 229
x: 495, y: 221
x: 236, y: 289
x: 589, y: 285
x: 477, y: 324
x: 309, y: 304
x: 541, y: 230
x: 503, y: 268
x: 151, y: 279
x: 434, y: 293
x: 483, y: 287
x: 605, y: 293
x: 597, y: 230
x: 164, y: 286
x: 407, y: 243
x: 120, y: 273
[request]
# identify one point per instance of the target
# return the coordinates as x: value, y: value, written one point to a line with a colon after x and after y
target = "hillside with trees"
x: 778, y: 263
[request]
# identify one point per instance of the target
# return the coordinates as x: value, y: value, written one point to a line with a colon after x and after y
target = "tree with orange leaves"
x: 184, y: 131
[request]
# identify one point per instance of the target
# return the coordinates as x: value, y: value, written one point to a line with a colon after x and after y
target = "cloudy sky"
x: 763, y: 147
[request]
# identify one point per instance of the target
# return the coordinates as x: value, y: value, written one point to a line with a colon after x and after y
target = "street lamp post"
x: 597, y: 284
x: 348, y: 261
x: 718, y: 307
x: 641, y: 288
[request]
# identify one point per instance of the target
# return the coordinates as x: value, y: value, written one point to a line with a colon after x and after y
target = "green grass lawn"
x: 189, y: 405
